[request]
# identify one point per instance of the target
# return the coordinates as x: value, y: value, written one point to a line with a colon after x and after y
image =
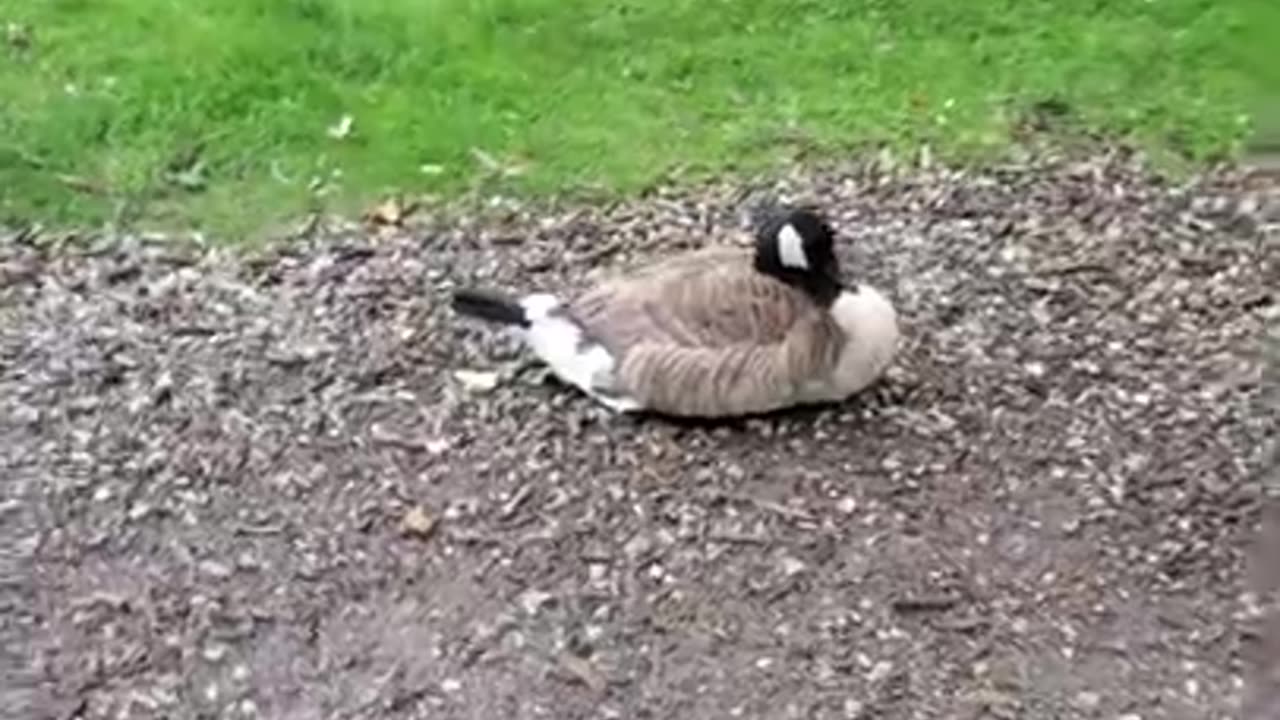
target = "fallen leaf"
x: 418, y: 522
x: 926, y: 157
x: 18, y: 36
x: 532, y: 600
x: 493, y: 165
x: 342, y: 129
x: 477, y: 380
x: 81, y: 184
x: 991, y: 699
x: 486, y: 160
x: 391, y: 211
x: 431, y: 169
x: 189, y: 178
x: 583, y: 671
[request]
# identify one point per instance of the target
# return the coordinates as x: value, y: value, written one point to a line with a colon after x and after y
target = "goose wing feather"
x: 707, y: 335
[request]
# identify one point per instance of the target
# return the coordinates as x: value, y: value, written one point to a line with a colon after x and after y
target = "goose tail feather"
x: 491, y: 306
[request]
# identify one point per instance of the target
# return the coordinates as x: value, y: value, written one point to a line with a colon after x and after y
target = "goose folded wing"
x: 709, y: 337
x: 716, y: 301
x: 744, y: 378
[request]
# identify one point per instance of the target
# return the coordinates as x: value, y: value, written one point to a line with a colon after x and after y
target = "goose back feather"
x: 708, y: 335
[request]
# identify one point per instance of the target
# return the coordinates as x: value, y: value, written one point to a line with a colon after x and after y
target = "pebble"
x: 215, y: 569
x: 1088, y: 700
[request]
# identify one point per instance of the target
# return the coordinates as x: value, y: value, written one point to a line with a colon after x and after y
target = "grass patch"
x: 218, y: 113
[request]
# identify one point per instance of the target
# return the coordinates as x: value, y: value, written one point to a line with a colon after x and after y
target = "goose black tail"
x: 490, y: 305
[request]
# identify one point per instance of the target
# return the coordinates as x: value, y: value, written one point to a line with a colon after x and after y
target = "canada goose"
x: 714, y: 332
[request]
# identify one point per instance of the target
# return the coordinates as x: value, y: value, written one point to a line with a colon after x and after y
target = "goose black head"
x: 797, y: 246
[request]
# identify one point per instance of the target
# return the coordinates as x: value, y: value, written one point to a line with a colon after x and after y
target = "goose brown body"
x: 707, y: 335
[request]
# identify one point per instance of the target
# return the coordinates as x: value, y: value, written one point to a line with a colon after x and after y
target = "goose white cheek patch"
x: 791, y: 248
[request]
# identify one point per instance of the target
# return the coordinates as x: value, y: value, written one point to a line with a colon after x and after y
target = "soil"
x: 253, y: 486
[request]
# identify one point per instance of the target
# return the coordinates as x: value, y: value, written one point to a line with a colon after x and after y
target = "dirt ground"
x: 255, y: 487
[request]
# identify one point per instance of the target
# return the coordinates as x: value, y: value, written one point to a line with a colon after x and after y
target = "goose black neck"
x: 824, y: 290
x: 822, y: 286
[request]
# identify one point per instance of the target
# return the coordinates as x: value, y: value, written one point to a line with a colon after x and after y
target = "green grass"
x: 113, y: 99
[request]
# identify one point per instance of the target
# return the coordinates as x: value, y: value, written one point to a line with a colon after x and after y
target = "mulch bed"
x: 252, y: 486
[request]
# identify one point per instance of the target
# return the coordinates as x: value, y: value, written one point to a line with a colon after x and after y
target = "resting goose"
x: 713, y: 333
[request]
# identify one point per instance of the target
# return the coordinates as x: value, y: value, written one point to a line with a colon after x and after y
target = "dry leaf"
x: 583, y: 671
x: 84, y: 185
x: 342, y: 128
x: 18, y: 36
x: 418, y: 522
x: 486, y: 160
x: 392, y: 211
x: 493, y: 165
x: 191, y: 177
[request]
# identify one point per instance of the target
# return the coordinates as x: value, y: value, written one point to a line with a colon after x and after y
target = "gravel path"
x: 256, y: 488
